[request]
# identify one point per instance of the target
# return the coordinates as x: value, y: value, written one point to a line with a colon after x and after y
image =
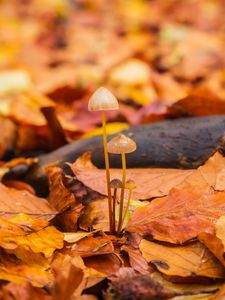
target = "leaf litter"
x: 168, y: 63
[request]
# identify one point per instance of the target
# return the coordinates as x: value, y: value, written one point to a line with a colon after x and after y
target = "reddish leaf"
x: 180, y: 216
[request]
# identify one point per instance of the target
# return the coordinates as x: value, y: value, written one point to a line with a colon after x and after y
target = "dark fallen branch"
x: 180, y: 143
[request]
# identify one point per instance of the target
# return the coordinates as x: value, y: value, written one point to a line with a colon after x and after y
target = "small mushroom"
x: 103, y: 100
x: 115, y: 184
x: 130, y: 185
x: 121, y: 144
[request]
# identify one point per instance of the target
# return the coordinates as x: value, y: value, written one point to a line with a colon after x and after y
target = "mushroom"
x: 115, y: 184
x: 121, y: 144
x: 130, y: 185
x: 103, y: 100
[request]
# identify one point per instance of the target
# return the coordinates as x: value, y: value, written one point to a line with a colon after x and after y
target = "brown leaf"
x: 220, y: 295
x: 137, y: 261
x: 91, y: 276
x: 95, y: 215
x: 107, y: 263
x: 68, y: 278
x: 130, y: 285
x: 214, y: 244
x: 184, y: 261
x: 220, y: 229
x: 8, y: 136
x: 190, y: 291
x: 200, y: 104
x: 211, y: 174
x: 25, y: 291
x: 14, y: 201
x: 180, y: 216
x: 150, y: 182
x: 90, y: 246
x: 63, y: 200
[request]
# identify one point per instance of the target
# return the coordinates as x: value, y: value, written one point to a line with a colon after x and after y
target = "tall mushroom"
x: 121, y: 144
x: 103, y: 100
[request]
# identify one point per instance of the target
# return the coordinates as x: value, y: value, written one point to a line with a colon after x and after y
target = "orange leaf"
x: 184, y: 261
x: 14, y: 201
x: 180, y: 216
x: 150, y: 182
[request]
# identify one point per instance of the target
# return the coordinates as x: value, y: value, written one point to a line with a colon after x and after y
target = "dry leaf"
x: 14, y: 270
x: 220, y: 229
x: 137, y: 261
x: 14, y: 201
x: 95, y: 216
x: 180, y: 216
x: 63, y: 200
x: 25, y: 291
x: 150, y: 182
x: 214, y: 244
x: 46, y: 240
x: 184, y: 261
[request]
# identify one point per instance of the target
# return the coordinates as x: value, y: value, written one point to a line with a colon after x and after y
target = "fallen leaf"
x: 91, y: 276
x: 219, y: 227
x: 63, y: 200
x: 68, y: 278
x: 25, y: 291
x: 8, y: 136
x: 191, y: 291
x: 14, y: 270
x: 214, y: 244
x: 220, y: 295
x: 46, y: 240
x: 90, y: 246
x: 137, y: 261
x: 106, y: 263
x: 73, y: 237
x: 200, y: 104
x: 95, y: 216
x: 211, y: 174
x: 111, y: 128
x: 130, y: 285
x: 150, y: 182
x: 180, y: 216
x: 14, y: 201
x: 184, y: 261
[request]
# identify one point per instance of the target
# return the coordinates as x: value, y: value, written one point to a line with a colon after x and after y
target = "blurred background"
x: 162, y: 59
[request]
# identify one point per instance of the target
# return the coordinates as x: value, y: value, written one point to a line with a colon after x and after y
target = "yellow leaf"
x: 110, y: 127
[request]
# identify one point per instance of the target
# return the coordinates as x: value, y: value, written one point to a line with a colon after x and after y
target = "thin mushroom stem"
x: 114, y: 209
x: 122, y: 191
x: 127, y: 207
x: 107, y: 171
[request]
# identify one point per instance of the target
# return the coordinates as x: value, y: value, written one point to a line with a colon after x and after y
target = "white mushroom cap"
x: 102, y: 99
x: 121, y: 144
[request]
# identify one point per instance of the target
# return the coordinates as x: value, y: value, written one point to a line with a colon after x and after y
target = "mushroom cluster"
x: 103, y: 100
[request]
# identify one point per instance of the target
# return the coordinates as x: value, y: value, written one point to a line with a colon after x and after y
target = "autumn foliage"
x: 166, y: 236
